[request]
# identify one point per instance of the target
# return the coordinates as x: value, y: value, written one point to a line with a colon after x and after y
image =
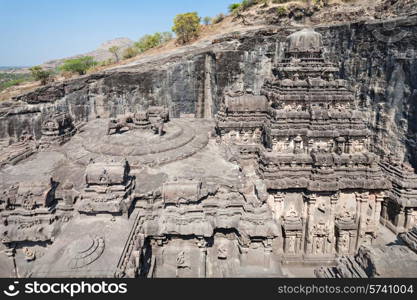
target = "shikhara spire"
x: 310, y: 146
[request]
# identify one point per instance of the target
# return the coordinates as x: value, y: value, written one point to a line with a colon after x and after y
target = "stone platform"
x: 182, y: 139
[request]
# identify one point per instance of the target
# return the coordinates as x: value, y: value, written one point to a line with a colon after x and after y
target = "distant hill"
x: 100, y: 54
x: 14, y: 69
x: 5, y: 68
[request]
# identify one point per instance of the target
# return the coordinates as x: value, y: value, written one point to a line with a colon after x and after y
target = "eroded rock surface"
x: 312, y: 142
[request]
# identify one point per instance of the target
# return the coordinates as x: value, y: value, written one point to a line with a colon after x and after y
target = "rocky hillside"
x: 377, y: 56
x: 286, y: 12
x: 102, y: 53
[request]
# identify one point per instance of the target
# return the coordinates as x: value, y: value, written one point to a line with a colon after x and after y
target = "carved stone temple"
x: 285, y: 181
x: 310, y: 146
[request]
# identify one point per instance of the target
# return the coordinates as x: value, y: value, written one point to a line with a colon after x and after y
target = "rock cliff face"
x: 377, y: 58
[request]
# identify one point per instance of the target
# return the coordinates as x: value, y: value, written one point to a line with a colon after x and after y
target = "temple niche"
x: 399, y: 211
x: 326, y: 187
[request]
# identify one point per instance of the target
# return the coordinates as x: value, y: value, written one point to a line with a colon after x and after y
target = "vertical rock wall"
x: 379, y: 60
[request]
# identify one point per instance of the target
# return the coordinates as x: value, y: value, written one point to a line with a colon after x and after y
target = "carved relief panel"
x: 346, y: 224
x: 320, y: 234
x: 179, y: 259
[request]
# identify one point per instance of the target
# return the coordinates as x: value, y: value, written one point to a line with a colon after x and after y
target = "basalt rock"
x: 376, y: 58
x: 294, y: 170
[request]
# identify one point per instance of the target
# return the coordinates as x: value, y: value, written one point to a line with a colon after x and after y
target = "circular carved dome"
x: 306, y: 40
x: 85, y: 251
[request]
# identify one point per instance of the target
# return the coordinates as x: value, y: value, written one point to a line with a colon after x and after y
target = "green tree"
x: 40, y: 74
x: 150, y: 41
x: 187, y: 27
x: 115, y: 51
x: 233, y: 7
x: 78, y: 65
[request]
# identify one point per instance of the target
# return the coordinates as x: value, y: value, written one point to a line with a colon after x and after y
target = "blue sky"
x: 35, y: 31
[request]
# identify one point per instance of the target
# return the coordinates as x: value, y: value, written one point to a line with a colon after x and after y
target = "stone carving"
x: 158, y: 112
x: 373, y: 262
x: 346, y: 267
x: 122, y: 123
x: 141, y: 120
x: 410, y: 238
x: 108, y: 189
x: 222, y: 251
x: 29, y: 254
x: 85, y: 251
x: 28, y: 217
x: 158, y: 126
x: 154, y: 118
x: 400, y: 206
x: 288, y: 175
x: 183, y: 192
x: 181, y: 260
x: 57, y: 128
x: 16, y: 152
x: 307, y: 118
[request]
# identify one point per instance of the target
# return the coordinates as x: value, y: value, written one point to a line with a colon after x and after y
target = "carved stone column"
x: 202, y: 245
x: 332, y: 235
x: 400, y: 220
x: 379, y: 200
x: 10, y: 253
x: 362, y: 200
x: 348, y: 147
x: 311, y: 202
x: 384, y: 214
x: 267, y: 254
x: 408, y: 219
x: 279, y: 204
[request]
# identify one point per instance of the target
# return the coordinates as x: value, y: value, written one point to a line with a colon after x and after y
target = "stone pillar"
x: 348, y: 147
x: 408, y: 219
x: 352, y: 239
x: 10, y: 253
x: 362, y: 200
x: 279, y: 204
x: 267, y: 253
x: 311, y: 202
x: 384, y: 214
x: 202, y: 244
x: 379, y: 199
x: 332, y: 234
x: 400, y: 220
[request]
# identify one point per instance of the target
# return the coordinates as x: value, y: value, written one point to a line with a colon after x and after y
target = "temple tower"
x: 325, y: 185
